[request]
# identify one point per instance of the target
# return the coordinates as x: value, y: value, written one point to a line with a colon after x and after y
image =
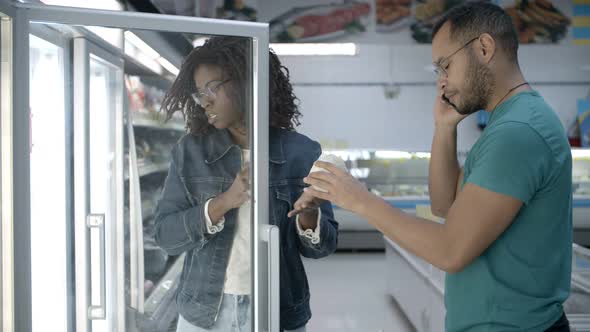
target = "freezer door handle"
x: 270, y: 234
x: 97, y: 221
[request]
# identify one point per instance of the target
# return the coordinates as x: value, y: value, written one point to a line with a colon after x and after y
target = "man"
x: 507, y: 240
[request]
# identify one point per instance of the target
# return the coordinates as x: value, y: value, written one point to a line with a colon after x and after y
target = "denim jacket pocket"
x: 203, y: 188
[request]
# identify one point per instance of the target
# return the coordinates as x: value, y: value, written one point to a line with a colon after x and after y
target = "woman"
x: 204, y: 210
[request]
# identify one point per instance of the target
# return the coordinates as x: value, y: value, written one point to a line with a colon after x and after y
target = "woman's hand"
x: 237, y: 194
x: 305, y: 204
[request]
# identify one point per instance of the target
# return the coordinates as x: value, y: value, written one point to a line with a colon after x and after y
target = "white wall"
x: 361, y: 117
x: 344, y: 105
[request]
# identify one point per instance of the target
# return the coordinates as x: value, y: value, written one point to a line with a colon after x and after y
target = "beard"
x: 479, y: 84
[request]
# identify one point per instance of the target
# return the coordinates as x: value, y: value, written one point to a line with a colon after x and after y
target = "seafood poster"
x: 401, y: 21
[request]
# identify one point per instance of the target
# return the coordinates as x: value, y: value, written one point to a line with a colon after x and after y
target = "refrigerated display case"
x: 84, y: 236
x: 418, y: 287
x: 578, y: 304
x: 581, y: 199
x: 401, y: 178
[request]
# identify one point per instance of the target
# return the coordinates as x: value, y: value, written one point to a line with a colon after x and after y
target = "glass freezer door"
x: 48, y: 158
x: 83, y: 103
x: 98, y: 186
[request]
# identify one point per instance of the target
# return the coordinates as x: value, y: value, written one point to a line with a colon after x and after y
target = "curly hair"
x: 230, y: 54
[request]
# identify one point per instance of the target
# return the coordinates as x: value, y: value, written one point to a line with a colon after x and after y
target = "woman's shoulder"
x: 291, y: 137
x: 190, y: 140
x: 296, y: 145
x: 187, y: 143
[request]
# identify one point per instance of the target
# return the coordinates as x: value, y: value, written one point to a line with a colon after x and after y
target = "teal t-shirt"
x: 520, y: 282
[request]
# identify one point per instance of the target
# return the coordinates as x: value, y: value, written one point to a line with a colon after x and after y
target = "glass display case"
x: 82, y: 168
x: 401, y: 178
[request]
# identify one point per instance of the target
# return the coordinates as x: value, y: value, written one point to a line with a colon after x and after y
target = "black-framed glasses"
x: 209, y: 91
x: 440, y: 67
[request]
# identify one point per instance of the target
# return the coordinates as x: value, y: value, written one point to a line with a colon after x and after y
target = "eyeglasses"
x: 441, y: 67
x: 210, y: 91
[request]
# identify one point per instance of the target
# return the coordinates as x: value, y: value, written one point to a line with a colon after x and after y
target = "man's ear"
x: 486, y: 47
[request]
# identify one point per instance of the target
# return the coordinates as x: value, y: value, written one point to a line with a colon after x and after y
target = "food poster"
x: 535, y: 21
x: 318, y: 21
x: 402, y: 21
x: 581, y: 18
x: 541, y: 21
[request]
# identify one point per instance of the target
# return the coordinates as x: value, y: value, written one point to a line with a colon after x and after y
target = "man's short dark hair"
x: 473, y: 19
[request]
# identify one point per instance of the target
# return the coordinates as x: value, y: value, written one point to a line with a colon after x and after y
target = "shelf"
x: 150, y: 169
x: 153, y: 168
x: 156, y: 121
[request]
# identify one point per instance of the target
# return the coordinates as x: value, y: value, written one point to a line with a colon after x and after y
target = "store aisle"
x: 348, y: 294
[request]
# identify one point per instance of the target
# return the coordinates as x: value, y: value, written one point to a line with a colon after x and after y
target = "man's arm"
x: 476, y: 219
x: 507, y: 171
x: 444, y: 171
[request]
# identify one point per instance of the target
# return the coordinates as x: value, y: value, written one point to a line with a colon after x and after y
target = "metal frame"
x: 133, y: 20
x: 2, y: 82
x: 263, y: 319
x: 6, y: 183
x: 7, y: 8
x: 21, y: 175
x: 23, y: 14
x: 81, y: 204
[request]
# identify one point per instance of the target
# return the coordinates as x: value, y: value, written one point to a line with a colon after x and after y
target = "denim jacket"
x: 205, y: 166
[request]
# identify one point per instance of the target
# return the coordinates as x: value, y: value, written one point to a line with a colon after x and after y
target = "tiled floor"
x: 348, y: 294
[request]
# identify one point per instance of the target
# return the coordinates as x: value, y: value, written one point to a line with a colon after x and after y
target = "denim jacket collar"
x: 218, y: 143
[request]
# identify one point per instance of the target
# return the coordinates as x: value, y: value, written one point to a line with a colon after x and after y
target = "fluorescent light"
x: 386, y: 154
x: 580, y: 153
x: 422, y: 154
x: 314, y: 49
x: 351, y: 155
x: 102, y: 4
x: 200, y: 41
x: 135, y: 53
x: 137, y: 42
x: 147, y: 56
x: 168, y: 66
x: 112, y: 36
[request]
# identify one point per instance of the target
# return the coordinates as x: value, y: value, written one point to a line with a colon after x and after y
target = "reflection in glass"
x: 205, y: 207
x: 151, y: 274
x: 204, y: 210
